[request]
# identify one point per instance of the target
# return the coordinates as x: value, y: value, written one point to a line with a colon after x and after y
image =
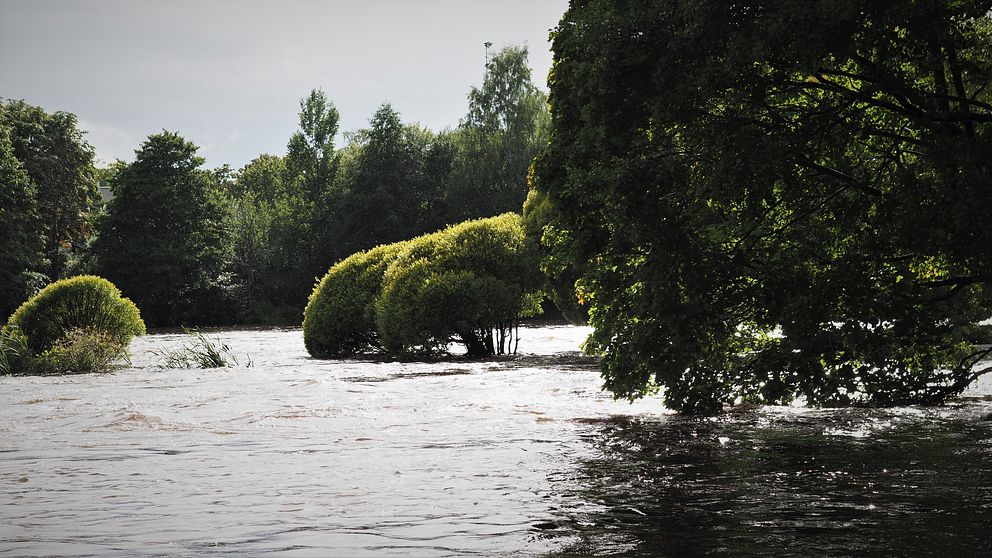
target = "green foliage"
x: 60, y: 164
x: 311, y: 161
x: 551, y: 240
x: 200, y: 352
x: 164, y: 240
x: 83, y: 303
x: 16, y: 356
x: 339, y: 319
x: 393, y: 176
x: 250, y: 226
x: 506, y: 126
x: 263, y: 179
x: 312, y: 164
x: 469, y: 283
x: 20, y: 229
x: 80, y: 351
x: 768, y: 201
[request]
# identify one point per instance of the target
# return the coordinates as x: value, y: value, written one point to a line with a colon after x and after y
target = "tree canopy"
x: 505, y: 127
x: 772, y: 200
x: 163, y: 241
x: 59, y: 162
x: 20, y: 229
x: 390, y: 182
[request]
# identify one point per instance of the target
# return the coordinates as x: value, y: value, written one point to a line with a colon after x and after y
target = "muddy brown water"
x: 520, y: 457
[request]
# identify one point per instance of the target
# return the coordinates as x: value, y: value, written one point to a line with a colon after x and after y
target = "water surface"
x: 301, y: 457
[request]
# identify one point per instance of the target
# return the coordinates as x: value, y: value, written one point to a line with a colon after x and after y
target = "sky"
x: 228, y: 75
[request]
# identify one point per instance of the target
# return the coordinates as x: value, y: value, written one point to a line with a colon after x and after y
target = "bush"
x: 80, y: 351
x: 340, y: 317
x: 85, y: 302
x: 469, y: 283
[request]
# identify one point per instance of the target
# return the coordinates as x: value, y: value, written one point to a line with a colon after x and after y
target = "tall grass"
x: 200, y: 352
x: 80, y: 351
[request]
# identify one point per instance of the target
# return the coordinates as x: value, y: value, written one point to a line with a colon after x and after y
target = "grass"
x: 80, y: 351
x: 200, y: 352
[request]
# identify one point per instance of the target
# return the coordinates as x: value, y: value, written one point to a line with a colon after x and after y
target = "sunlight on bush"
x: 77, y: 325
x: 74, y: 303
x: 468, y: 284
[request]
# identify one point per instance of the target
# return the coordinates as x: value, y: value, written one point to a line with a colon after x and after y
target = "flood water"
x: 519, y: 457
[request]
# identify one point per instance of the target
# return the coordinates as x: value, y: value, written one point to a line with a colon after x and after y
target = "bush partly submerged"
x: 469, y: 284
x: 85, y: 301
x: 340, y: 318
x: 76, y: 325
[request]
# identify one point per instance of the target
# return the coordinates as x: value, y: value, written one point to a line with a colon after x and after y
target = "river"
x: 293, y: 456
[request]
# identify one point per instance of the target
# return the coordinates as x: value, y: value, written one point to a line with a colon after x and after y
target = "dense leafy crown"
x: 774, y: 200
x: 84, y: 302
x: 20, y: 228
x: 163, y: 238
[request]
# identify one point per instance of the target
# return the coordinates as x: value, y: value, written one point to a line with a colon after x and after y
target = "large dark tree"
x: 772, y: 200
x: 60, y: 164
x: 305, y: 233
x: 163, y: 240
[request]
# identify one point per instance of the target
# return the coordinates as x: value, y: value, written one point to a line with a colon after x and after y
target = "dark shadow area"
x: 852, y: 482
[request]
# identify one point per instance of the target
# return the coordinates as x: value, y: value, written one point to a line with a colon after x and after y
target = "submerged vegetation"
x: 468, y: 284
x: 200, y: 352
x: 75, y: 325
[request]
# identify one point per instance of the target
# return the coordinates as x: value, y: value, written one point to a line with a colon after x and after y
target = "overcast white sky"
x: 228, y: 74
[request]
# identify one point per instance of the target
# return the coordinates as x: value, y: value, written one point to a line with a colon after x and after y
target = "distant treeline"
x: 216, y: 246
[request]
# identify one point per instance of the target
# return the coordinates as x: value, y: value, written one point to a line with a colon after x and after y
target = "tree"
x: 504, y: 129
x: 252, y: 254
x: 60, y: 163
x: 468, y: 284
x: 777, y: 200
x: 311, y: 162
x: 393, y: 178
x: 262, y: 178
x: 163, y: 240
x: 306, y: 231
x: 21, y: 232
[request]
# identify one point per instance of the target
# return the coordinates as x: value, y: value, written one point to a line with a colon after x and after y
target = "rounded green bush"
x: 82, y: 302
x: 468, y: 283
x: 459, y: 285
x: 339, y: 319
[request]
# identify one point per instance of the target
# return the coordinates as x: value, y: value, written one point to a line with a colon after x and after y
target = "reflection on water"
x: 784, y: 483
x: 525, y: 456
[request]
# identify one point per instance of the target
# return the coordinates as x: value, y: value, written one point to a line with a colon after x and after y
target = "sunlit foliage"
x: 468, y: 284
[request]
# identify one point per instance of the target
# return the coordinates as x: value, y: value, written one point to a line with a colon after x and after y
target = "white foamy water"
x: 295, y: 455
x: 515, y: 457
